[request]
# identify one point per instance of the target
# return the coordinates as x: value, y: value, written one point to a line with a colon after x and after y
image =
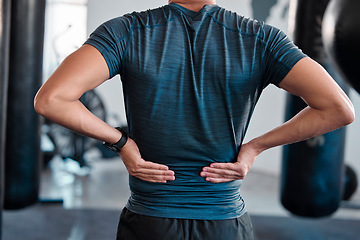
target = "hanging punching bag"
x: 312, y: 170
x: 341, y: 37
x: 22, y: 128
x: 4, y: 60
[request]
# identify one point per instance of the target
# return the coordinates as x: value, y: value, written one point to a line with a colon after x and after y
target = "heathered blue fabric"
x: 191, y: 81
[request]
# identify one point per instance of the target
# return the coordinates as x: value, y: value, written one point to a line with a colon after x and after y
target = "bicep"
x: 308, y: 80
x: 81, y: 71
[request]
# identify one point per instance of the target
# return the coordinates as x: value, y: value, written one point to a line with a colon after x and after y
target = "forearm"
x: 328, y: 107
x: 75, y: 116
x: 306, y: 124
x: 58, y: 98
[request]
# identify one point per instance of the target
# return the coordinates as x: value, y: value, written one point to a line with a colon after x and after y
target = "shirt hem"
x: 194, y: 215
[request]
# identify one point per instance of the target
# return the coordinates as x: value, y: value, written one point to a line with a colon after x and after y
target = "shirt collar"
x: 205, y: 8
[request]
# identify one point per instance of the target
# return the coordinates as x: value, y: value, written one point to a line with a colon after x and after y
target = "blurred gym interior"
x: 56, y: 184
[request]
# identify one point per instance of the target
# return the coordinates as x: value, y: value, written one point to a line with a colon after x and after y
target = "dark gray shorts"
x: 134, y: 226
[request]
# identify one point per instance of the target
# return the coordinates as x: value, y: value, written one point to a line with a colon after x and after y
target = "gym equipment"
x: 350, y: 183
x: 312, y: 170
x: 340, y: 34
x: 22, y: 153
x: 4, y: 59
x: 341, y: 37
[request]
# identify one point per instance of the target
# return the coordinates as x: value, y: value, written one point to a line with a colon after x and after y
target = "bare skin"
x: 194, y: 5
x: 58, y: 99
x: 313, y: 84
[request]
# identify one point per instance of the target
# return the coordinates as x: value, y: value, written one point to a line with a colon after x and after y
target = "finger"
x: 232, y: 176
x: 155, y: 169
x: 148, y: 164
x: 155, y: 172
x: 216, y: 175
x: 154, y: 178
x: 229, y: 166
x: 231, y: 171
x: 224, y: 172
x: 153, y: 175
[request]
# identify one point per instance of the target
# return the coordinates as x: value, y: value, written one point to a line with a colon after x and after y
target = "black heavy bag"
x: 22, y: 132
x: 341, y: 37
x: 4, y: 59
x: 350, y: 183
x: 312, y: 170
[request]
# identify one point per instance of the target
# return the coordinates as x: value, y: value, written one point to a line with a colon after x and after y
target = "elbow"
x: 350, y: 117
x: 346, y: 114
x: 42, y: 104
x: 39, y: 105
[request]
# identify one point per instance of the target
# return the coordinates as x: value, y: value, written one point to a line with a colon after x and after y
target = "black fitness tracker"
x: 116, y: 147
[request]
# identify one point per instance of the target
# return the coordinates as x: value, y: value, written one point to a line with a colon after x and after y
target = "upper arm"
x: 308, y: 80
x: 81, y: 71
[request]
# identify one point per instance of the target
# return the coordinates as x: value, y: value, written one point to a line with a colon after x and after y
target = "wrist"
x: 256, y: 146
x: 117, y: 146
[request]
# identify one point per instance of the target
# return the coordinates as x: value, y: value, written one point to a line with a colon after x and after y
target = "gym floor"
x: 78, y: 204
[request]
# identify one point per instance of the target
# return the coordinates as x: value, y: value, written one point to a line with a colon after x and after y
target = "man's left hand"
x: 226, y: 172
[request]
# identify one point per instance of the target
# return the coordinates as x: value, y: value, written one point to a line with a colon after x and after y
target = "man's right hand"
x: 144, y: 170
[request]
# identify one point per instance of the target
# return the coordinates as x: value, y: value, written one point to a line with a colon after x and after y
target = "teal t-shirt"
x: 191, y: 81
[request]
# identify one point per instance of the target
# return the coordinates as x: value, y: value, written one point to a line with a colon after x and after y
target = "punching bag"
x: 4, y: 60
x: 312, y: 170
x: 350, y: 183
x: 341, y: 37
x: 22, y: 153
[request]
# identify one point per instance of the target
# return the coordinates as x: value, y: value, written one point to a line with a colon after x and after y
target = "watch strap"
x: 116, y: 147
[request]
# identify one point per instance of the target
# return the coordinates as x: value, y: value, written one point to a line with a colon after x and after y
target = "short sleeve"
x: 280, y: 55
x: 110, y: 40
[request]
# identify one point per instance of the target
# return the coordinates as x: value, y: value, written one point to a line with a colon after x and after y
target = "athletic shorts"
x: 134, y: 226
